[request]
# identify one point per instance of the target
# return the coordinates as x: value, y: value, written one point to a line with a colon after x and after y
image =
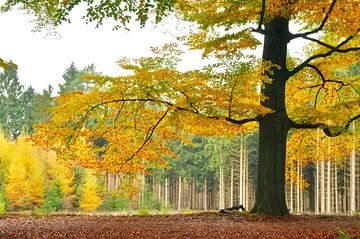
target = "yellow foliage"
x: 90, y: 198
x: 17, y: 188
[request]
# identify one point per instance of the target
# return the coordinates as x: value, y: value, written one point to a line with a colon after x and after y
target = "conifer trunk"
x: 273, y: 127
x: 352, y: 176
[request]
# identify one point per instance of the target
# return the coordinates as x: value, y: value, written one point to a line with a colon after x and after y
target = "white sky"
x: 43, y: 59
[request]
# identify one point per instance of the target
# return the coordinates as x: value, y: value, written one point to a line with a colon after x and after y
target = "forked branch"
x: 331, y: 131
x: 326, y: 54
x: 321, y: 26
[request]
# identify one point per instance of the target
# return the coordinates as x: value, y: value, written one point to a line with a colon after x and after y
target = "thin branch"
x: 326, y: 128
x: 319, y: 42
x: 323, y: 55
x: 149, y: 134
x: 304, y: 34
x: 119, y: 111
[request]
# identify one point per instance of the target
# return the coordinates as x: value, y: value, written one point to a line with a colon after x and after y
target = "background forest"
x: 205, y: 173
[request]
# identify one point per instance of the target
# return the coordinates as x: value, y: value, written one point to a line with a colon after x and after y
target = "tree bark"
x: 273, y: 127
x: 166, y: 193
x: 352, y: 176
x: 179, y: 195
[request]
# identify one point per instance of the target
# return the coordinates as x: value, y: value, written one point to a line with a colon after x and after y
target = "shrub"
x: 53, y: 198
x: 113, y: 203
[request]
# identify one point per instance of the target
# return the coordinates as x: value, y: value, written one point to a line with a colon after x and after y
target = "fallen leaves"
x: 200, y: 225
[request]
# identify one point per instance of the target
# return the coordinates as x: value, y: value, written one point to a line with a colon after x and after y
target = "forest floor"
x: 197, y: 225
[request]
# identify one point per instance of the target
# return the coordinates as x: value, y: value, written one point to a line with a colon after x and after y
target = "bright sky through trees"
x: 42, y: 58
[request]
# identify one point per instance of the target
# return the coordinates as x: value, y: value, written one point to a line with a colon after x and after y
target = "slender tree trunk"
x: 241, y: 190
x: 336, y: 188
x: 328, y: 189
x: 317, y: 170
x: 298, y: 188
x: 301, y: 191
x: 352, y: 175
x: 273, y: 127
x: 221, y: 180
x: 345, y: 208
x: 328, y: 181
x: 205, y: 193
x: 322, y: 187
x: 166, y: 193
x: 317, y: 189
x: 232, y: 184
x: 246, y: 179
x: 291, y: 197
x: 159, y: 193
x: 179, y: 195
x: 311, y: 189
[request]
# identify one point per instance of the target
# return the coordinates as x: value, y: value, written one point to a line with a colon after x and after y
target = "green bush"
x: 143, y: 212
x: 113, y: 203
x: 151, y: 202
x: 2, y: 204
x: 53, y: 199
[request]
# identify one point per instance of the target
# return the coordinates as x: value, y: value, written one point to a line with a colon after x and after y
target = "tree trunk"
x: 328, y: 190
x: 179, y: 195
x: 317, y: 189
x: 322, y: 187
x: 232, y: 184
x: 352, y: 176
x: 273, y: 127
x: 336, y: 189
x: 311, y: 187
x: 241, y: 159
x: 298, y: 188
x: 166, y: 193
x: 205, y: 192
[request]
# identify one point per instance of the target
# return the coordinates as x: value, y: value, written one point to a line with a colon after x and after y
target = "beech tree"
x: 304, y: 93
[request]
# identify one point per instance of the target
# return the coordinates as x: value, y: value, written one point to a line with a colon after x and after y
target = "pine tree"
x: 10, y: 101
x: 73, y: 80
x: 27, y: 105
x: 42, y: 102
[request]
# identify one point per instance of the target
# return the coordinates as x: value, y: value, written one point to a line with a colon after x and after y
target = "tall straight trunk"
x: 336, y: 188
x: 221, y: 180
x: 273, y: 127
x: 328, y: 188
x: 241, y: 175
x: 352, y: 175
x: 311, y: 189
x: 322, y: 186
x: 246, y: 178
x: 232, y: 184
x: 244, y: 173
x: 301, y: 191
x: 317, y: 171
x: 298, y: 188
x: 317, y: 189
x: 205, y: 193
x: 159, y: 193
x: 328, y: 181
x: 179, y: 195
x: 166, y: 193
x: 345, y: 189
x: 291, y: 197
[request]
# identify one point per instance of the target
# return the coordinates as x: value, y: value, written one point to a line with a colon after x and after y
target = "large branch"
x: 330, y: 131
x: 261, y: 20
x: 326, y: 54
x: 322, y: 24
